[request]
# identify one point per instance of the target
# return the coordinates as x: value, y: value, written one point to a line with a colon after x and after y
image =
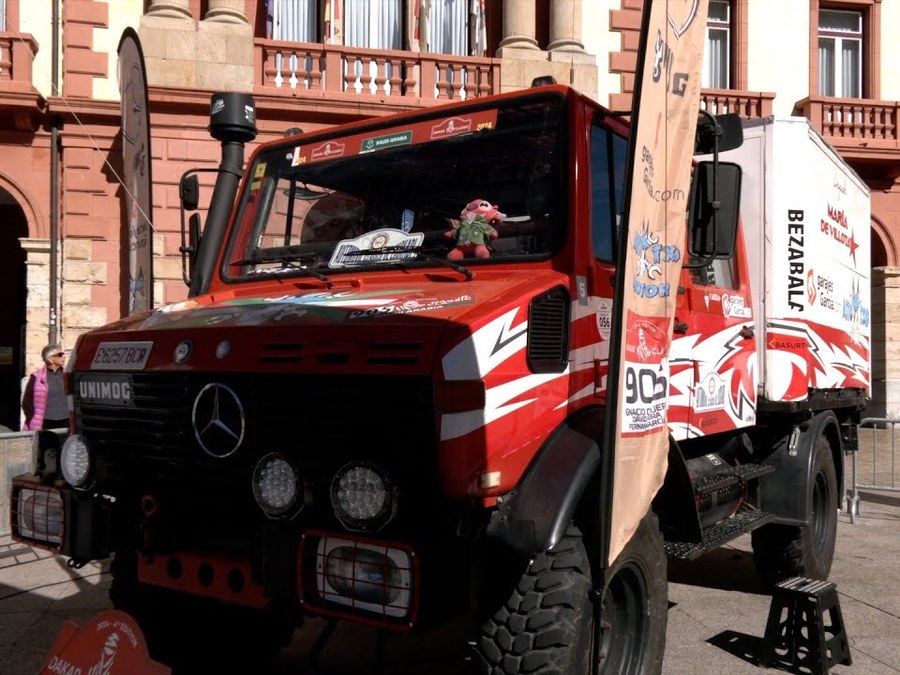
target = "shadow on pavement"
x: 726, y: 569
x: 741, y: 645
x: 880, y: 498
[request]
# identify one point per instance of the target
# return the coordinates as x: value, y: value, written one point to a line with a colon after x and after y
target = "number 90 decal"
x: 645, y: 391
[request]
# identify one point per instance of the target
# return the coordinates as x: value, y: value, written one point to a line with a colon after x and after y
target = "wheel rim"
x: 624, y: 623
x: 821, y: 512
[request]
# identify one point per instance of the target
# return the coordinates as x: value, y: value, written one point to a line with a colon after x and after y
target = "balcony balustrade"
x: 860, y: 125
x: 20, y: 102
x: 16, y: 58
x: 339, y: 71
x: 747, y: 104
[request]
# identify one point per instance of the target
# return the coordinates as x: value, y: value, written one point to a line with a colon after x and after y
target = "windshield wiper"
x: 420, y: 255
x: 288, y: 261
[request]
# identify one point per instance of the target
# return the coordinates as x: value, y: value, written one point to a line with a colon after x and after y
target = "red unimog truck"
x: 343, y: 420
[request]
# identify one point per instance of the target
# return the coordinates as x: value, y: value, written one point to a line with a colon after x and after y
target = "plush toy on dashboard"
x: 475, y: 229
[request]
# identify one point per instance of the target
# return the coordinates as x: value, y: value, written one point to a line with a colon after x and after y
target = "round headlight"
x: 75, y: 461
x: 362, y: 497
x: 276, y: 484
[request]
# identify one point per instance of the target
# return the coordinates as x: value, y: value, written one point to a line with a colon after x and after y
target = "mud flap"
x: 785, y: 492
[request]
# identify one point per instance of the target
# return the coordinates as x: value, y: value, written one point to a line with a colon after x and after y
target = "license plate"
x: 121, y: 356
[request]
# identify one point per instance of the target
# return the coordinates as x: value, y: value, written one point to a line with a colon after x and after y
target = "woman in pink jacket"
x: 44, y: 400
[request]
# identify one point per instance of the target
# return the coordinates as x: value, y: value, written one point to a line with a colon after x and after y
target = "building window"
x: 840, y: 53
x: 457, y: 27
x: 451, y: 26
x: 373, y: 24
x: 2, y: 14
x: 717, y: 54
x: 293, y: 20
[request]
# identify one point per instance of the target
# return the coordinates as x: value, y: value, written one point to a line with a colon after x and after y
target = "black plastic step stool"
x: 797, y: 635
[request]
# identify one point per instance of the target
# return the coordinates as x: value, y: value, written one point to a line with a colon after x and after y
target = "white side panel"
x: 754, y: 158
x: 806, y: 217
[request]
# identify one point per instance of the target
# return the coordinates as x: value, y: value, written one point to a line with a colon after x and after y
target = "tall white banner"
x: 664, y: 118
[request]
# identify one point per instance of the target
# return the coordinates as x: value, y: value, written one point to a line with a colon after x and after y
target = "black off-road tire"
x: 192, y: 634
x: 550, y: 626
x: 782, y: 551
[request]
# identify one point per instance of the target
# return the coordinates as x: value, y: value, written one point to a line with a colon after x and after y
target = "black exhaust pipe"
x: 232, y: 120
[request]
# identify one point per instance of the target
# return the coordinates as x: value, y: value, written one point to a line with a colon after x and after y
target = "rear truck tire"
x: 193, y: 634
x: 551, y: 625
x: 782, y: 551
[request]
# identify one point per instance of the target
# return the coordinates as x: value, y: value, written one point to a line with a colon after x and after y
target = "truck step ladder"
x: 797, y: 635
x: 708, y: 483
x: 746, y: 519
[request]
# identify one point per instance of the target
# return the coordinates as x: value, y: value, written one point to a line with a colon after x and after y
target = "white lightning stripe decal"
x: 496, y: 342
x: 496, y: 406
x: 487, y: 348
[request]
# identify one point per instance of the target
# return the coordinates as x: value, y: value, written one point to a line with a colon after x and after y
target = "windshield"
x: 477, y: 187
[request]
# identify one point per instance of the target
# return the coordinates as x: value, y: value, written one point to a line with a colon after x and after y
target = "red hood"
x: 410, y: 310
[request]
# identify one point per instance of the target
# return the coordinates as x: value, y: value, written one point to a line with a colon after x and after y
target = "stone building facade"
x: 62, y: 205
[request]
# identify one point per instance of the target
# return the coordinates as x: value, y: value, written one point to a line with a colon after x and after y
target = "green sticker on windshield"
x: 387, y: 141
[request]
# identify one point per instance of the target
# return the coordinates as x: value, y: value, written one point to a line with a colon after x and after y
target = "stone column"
x: 885, y: 343
x: 169, y: 9
x: 518, y: 26
x: 224, y: 56
x: 226, y: 11
x: 565, y: 27
x: 168, y: 39
x: 37, y: 283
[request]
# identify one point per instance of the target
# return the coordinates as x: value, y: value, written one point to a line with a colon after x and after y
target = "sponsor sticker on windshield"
x: 387, y: 141
x: 480, y: 120
x: 380, y: 246
x: 121, y: 356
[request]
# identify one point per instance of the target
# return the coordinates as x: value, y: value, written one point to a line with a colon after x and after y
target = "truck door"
x: 608, y: 155
x: 713, y: 355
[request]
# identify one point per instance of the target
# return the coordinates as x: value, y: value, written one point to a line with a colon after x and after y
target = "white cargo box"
x: 806, y: 226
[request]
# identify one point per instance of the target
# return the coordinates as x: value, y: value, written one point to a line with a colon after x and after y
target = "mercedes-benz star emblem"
x: 218, y: 420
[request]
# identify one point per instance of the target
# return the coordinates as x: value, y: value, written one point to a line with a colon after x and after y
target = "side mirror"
x: 189, y: 191
x: 713, y: 212
x: 189, y: 251
x: 719, y: 132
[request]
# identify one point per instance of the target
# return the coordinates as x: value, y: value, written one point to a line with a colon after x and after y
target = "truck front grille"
x: 324, y: 421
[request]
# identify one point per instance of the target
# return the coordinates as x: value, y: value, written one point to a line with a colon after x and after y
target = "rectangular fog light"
x: 362, y: 579
x: 37, y: 515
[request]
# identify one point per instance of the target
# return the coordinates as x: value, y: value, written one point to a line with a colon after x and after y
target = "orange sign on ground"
x: 110, y: 643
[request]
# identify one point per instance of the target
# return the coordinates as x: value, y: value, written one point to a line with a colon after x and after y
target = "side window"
x: 719, y: 273
x: 608, y: 158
